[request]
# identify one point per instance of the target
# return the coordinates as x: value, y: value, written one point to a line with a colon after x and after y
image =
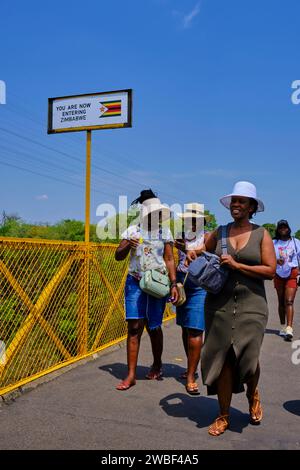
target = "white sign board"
x: 87, y: 112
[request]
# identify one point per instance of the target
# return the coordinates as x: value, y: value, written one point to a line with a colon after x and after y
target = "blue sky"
x: 212, y: 105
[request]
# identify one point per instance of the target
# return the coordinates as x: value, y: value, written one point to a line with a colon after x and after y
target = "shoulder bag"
x: 207, y: 272
x: 155, y: 283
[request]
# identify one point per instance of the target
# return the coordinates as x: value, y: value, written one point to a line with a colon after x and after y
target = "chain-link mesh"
x: 58, y: 302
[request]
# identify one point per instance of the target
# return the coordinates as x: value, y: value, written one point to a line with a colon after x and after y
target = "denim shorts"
x: 191, y: 313
x: 142, y: 306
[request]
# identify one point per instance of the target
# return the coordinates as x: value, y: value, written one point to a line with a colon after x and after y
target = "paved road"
x: 82, y: 410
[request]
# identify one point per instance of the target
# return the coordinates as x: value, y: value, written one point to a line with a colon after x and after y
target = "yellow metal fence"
x: 59, y: 302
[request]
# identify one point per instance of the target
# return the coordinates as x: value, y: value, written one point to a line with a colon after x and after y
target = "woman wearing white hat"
x: 190, y: 315
x: 235, y: 319
x: 151, y: 248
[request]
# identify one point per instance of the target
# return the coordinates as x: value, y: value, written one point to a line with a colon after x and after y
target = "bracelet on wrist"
x: 173, y: 284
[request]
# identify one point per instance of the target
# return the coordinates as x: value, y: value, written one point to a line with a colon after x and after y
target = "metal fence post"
x: 83, y: 311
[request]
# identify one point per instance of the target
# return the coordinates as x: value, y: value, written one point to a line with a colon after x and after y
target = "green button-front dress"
x: 235, y: 318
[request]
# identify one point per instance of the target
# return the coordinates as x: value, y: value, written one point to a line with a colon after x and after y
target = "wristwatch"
x: 173, y: 284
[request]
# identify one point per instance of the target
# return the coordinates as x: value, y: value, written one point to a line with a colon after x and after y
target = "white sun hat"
x: 194, y: 210
x: 154, y: 206
x: 244, y: 189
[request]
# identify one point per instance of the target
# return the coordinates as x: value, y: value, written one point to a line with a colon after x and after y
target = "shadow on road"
x: 201, y: 410
x: 269, y: 331
x: 119, y: 370
x: 293, y: 406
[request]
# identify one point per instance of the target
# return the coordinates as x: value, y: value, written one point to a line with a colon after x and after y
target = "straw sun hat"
x: 194, y: 210
x: 153, y: 206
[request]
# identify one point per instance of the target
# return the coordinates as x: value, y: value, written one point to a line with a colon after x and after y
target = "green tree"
x: 11, y: 225
x: 297, y: 234
x: 271, y: 229
x: 112, y: 230
x: 212, y: 224
x: 70, y: 229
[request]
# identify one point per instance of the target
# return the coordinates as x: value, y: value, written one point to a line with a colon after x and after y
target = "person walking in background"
x: 190, y: 315
x: 151, y: 247
x: 287, y: 250
x: 236, y: 317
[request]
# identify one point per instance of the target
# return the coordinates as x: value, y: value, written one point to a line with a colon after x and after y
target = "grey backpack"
x: 207, y: 272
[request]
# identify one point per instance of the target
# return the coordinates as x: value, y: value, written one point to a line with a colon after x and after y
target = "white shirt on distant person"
x: 289, y: 252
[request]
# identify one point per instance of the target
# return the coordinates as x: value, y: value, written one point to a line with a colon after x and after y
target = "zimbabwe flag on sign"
x: 110, y: 108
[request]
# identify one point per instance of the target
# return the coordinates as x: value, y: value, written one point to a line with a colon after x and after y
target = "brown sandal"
x: 154, y: 374
x: 255, y: 408
x: 220, y: 424
x: 125, y: 385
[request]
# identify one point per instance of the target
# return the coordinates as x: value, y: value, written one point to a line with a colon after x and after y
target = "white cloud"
x: 42, y: 197
x: 188, y: 18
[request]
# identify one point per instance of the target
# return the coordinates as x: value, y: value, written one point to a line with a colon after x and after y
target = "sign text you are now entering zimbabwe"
x: 88, y: 112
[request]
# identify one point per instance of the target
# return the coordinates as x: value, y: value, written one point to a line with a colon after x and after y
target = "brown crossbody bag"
x: 181, y: 292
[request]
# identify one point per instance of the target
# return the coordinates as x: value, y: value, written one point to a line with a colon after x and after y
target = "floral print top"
x: 150, y: 252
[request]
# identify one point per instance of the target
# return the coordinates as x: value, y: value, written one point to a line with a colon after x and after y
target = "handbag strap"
x: 224, y: 239
x: 185, y: 278
x: 297, y: 252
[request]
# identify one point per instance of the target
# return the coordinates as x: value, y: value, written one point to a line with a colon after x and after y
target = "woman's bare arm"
x: 170, y: 262
x: 124, y: 248
x: 210, y: 243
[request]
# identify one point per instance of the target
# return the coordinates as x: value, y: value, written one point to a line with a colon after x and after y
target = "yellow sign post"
x: 106, y: 110
x: 88, y: 186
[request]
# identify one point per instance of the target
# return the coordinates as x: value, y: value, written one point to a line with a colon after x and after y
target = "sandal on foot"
x: 154, y: 374
x: 220, y: 424
x: 124, y: 385
x: 255, y: 408
x: 192, y: 388
x: 184, y: 375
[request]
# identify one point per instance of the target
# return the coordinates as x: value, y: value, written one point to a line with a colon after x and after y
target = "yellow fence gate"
x: 59, y: 302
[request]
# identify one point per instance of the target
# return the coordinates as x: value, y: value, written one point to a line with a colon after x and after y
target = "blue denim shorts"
x: 142, y: 306
x: 191, y: 313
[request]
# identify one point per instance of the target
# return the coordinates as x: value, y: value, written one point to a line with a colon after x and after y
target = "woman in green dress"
x: 235, y: 319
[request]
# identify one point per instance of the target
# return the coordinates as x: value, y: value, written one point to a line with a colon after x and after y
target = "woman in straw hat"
x: 190, y: 315
x: 235, y: 319
x: 151, y: 247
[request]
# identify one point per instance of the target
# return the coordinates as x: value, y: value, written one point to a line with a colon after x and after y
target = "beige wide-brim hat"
x: 244, y: 189
x: 153, y: 206
x: 194, y: 210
